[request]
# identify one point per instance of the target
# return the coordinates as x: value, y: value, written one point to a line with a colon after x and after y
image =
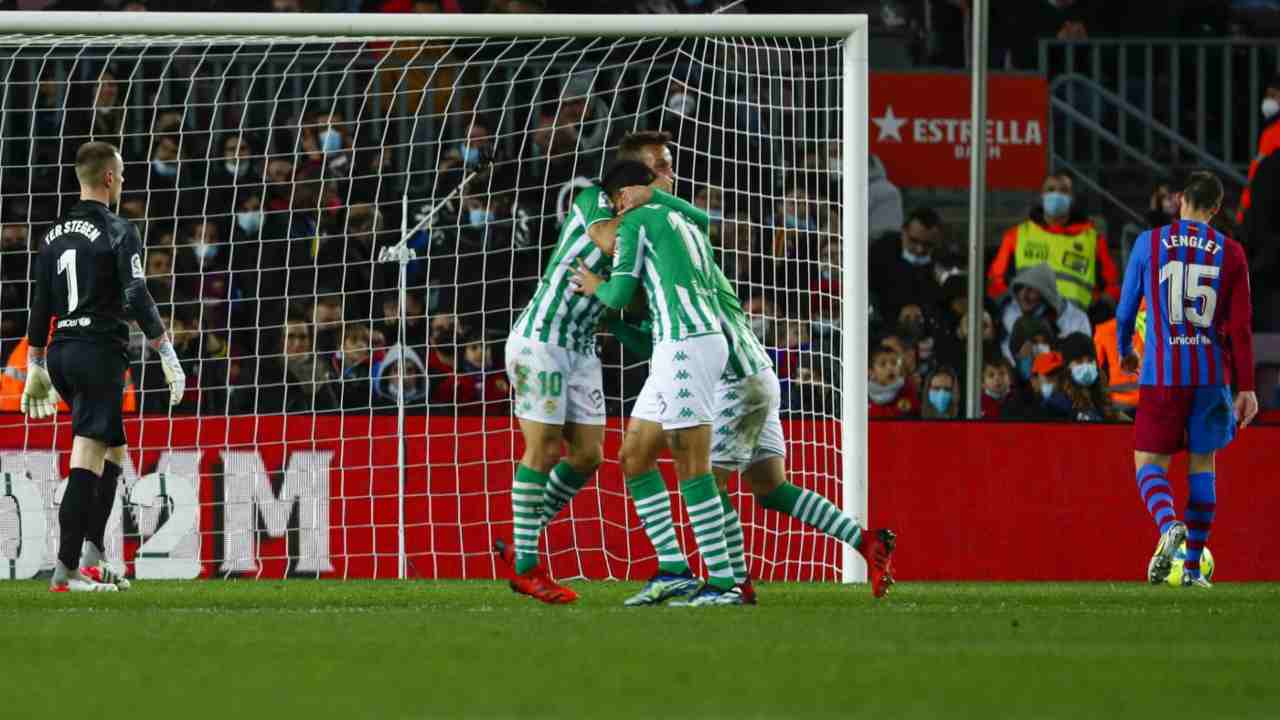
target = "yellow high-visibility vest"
x: 1072, y: 257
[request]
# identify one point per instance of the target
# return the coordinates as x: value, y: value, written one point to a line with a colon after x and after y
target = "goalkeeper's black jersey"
x: 87, y: 263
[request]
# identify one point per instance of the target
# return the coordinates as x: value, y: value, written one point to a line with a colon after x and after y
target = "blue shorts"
x: 1199, y: 419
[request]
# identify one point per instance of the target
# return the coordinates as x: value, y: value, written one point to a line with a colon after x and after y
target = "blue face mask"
x: 1046, y: 389
x: 940, y: 399
x: 330, y: 140
x: 1024, y: 368
x: 249, y: 221
x: 470, y: 155
x: 167, y: 169
x: 795, y: 223
x: 917, y: 260
x: 477, y: 217
x: 1055, y: 204
x: 1084, y: 375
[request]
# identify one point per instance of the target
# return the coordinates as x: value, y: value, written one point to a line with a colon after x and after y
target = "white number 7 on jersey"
x: 1184, y: 285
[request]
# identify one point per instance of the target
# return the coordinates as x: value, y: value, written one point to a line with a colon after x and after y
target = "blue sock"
x: 1201, y: 502
x: 1153, y: 486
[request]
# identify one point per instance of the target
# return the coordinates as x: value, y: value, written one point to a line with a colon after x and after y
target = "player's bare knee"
x: 766, y: 476
x: 585, y: 460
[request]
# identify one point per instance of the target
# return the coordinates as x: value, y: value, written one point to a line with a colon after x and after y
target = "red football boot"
x: 748, y: 592
x: 877, y: 549
x: 537, y: 585
x: 506, y: 552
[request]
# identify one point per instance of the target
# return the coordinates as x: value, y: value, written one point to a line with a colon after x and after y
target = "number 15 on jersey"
x: 1192, y: 297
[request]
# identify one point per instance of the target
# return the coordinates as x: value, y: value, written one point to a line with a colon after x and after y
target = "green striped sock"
x: 526, y: 511
x: 653, y: 505
x: 706, y: 514
x: 734, y: 541
x: 815, y: 511
x: 565, y: 482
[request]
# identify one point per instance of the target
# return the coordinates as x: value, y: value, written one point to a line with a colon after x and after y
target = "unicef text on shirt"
x: 1190, y: 340
x: 957, y: 131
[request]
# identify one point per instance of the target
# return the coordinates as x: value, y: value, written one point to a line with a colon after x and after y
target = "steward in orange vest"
x: 1061, y: 236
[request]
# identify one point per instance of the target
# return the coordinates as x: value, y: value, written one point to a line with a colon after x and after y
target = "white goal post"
x: 266, y: 488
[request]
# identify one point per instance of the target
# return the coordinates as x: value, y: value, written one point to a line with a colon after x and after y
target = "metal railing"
x: 1116, y: 112
x: 1205, y: 90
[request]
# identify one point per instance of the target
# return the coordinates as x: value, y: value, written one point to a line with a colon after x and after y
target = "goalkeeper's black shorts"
x: 90, y: 377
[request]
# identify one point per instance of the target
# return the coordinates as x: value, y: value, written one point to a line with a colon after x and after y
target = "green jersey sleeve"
x: 638, y: 338
x: 689, y: 210
x: 628, y: 260
x: 593, y: 205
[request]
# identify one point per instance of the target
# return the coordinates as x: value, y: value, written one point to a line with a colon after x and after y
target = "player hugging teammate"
x: 711, y: 397
x: 88, y: 275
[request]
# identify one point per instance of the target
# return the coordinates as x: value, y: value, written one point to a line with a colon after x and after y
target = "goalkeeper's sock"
x: 653, y: 505
x: 706, y: 515
x: 734, y: 541
x: 103, y: 500
x: 73, y: 515
x: 1153, y: 486
x: 815, y: 511
x: 526, y: 512
x: 1201, y: 502
x: 564, y: 483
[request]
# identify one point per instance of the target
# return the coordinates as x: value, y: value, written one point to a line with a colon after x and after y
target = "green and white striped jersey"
x: 747, y: 355
x: 557, y: 315
x: 672, y: 259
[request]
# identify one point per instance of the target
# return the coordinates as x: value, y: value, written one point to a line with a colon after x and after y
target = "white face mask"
x: 234, y: 168
x: 1270, y: 106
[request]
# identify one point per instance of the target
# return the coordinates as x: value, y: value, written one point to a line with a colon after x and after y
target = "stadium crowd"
x: 263, y: 245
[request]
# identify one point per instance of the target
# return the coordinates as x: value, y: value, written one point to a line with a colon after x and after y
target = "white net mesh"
x: 323, y: 434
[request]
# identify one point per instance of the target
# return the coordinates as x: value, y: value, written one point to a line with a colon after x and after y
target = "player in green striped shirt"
x: 659, y: 249
x: 748, y: 438
x: 559, y: 394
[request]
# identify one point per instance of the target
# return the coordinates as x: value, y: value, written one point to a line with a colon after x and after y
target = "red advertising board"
x: 921, y: 130
x: 319, y: 496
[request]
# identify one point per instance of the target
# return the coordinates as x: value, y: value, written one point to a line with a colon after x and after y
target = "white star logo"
x: 890, y: 126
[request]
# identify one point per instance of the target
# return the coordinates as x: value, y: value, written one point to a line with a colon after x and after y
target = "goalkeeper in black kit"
x: 89, y: 276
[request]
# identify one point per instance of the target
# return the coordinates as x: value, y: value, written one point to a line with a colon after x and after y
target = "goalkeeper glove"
x: 39, y: 398
x: 173, y: 373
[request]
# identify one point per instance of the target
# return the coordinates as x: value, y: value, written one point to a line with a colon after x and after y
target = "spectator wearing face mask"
x: 997, y: 387
x: 1258, y: 219
x: 1066, y: 240
x: 1083, y: 383
x: 1034, y: 292
x: 902, y: 270
x: 1044, y: 398
x: 942, y: 395
x: 889, y: 393
x: 1031, y: 337
x: 233, y: 169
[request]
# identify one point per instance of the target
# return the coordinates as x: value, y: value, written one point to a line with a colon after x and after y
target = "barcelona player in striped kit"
x: 1199, y: 342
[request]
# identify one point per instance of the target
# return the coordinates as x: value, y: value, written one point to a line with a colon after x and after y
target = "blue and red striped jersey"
x: 1200, y: 318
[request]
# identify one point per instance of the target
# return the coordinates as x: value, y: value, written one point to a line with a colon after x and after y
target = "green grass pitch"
x: 304, y: 649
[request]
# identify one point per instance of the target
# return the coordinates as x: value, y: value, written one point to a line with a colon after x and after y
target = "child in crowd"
x: 890, y: 395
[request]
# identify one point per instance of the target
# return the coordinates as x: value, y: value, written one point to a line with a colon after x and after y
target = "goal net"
x: 341, y: 226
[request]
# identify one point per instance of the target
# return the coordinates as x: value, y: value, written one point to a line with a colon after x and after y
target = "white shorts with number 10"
x: 554, y: 385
